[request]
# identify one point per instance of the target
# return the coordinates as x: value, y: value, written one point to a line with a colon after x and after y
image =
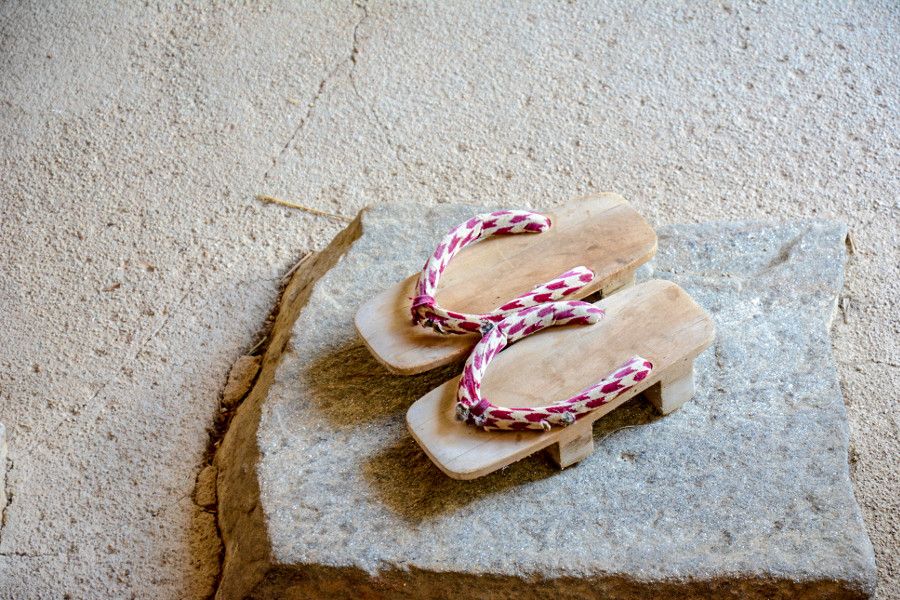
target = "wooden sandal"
x: 647, y: 342
x: 601, y: 233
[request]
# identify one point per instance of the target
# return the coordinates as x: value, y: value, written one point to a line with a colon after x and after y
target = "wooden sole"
x: 601, y: 232
x: 656, y: 320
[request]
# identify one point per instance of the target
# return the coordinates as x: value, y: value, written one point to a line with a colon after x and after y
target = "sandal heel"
x: 675, y: 388
x: 576, y: 442
x: 617, y: 285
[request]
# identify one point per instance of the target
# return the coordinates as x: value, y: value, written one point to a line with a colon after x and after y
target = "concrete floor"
x: 137, y: 265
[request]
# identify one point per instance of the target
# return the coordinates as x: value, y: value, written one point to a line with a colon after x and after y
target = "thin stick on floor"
x: 314, y: 211
x: 609, y: 433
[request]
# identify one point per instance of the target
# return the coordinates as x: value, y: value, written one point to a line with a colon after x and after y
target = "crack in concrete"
x: 161, y: 326
x: 369, y: 110
x: 323, y: 83
x: 354, y: 50
x: 79, y: 408
x: 309, y: 111
x: 863, y: 361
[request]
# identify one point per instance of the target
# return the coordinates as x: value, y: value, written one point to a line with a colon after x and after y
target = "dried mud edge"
x: 248, y: 569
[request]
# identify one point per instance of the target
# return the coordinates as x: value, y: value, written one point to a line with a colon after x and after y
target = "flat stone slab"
x: 745, y: 489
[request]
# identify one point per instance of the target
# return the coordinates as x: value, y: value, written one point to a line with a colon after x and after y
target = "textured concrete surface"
x: 136, y: 265
x: 747, y: 486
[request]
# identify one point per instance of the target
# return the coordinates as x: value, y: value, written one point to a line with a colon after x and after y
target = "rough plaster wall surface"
x: 136, y: 264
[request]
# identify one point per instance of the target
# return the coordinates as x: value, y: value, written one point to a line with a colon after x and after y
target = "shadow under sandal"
x: 592, y: 244
x: 643, y: 339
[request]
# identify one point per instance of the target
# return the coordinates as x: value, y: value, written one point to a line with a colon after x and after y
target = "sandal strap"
x: 428, y: 313
x: 476, y: 410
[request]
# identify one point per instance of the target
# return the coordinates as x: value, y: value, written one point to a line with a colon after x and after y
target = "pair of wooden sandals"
x: 578, y: 361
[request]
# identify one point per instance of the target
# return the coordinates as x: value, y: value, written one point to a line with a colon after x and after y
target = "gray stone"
x: 745, y: 490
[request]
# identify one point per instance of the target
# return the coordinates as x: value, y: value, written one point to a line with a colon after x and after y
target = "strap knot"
x: 475, y: 409
x: 422, y: 300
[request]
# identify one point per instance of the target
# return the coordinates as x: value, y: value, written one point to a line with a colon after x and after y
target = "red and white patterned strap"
x: 428, y: 313
x: 475, y: 410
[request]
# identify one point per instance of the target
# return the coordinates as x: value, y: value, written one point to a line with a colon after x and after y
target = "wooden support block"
x: 674, y: 390
x: 619, y: 284
x: 576, y: 442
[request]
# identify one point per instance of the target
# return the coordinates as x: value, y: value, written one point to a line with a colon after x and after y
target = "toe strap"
x: 476, y: 410
x: 425, y: 309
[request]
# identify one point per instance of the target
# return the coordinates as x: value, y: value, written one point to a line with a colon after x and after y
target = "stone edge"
x: 247, y: 557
